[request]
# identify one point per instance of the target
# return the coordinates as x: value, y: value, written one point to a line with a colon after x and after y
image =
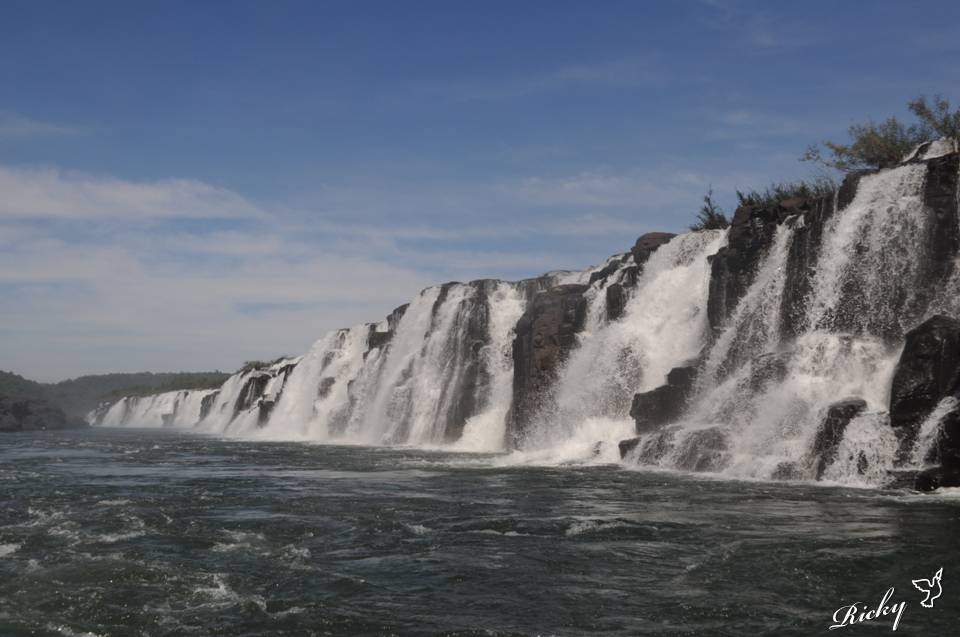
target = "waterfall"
x: 813, y: 304
x: 866, y: 453
x: 762, y: 396
x: 436, y: 372
x: 881, y: 232
x: 485, y: 431
x: 924, y: 447
x: 663, y: 325
x: 169, y: 409
x: 754, y: 327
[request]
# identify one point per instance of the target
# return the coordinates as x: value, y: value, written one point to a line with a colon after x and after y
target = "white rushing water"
x: 762, y: 397
x: 663, y: 325
x: 925, y: 444
x: 754, y: 327
x: 441, y: 375
x: 486, y: 431
x: 169, y: 409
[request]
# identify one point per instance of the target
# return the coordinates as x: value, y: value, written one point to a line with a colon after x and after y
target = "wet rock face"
x: 628, y: 445
x: 928, y: 371
x: 469, y: 387
x: 207, y: 403
x: 936, y: 477
x: 703, y: 450
x: 732, y: 268
x: 768, y: 368
x: 545, y: 334
x: 831, y: 431
x: 647, y: 244
x: 252, y: 390
x: 802, y: 259
x: 657, y: 407
x: 940, y: 195
x: 616, y: 301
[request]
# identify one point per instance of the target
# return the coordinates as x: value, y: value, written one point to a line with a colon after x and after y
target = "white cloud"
x: 133, y: 287
x: 50, y: 192
x: 70, y: 308
x: 598, y: 189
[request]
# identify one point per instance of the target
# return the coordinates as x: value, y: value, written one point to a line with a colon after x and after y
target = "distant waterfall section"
x: 766, y: 351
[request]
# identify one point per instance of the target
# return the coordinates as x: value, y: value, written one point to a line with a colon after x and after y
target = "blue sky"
x: 189, y: 185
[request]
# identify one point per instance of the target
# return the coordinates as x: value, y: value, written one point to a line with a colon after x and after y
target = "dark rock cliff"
x: 544, y: 336
x: 927, y: 373
x: 831, y: 430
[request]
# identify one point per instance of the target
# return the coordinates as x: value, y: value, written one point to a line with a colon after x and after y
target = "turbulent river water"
x: 152, y: 532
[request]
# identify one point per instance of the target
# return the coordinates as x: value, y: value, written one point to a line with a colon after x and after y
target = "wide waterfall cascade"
x: 761, y: 397
x: 664, y: 324
x: 438, y: 372
x: 808, y: 302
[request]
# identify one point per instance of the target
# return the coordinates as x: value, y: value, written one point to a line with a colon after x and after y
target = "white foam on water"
x: 9, y: 549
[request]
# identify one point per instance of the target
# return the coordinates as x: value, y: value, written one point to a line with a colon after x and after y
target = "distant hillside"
x: 26, y: 404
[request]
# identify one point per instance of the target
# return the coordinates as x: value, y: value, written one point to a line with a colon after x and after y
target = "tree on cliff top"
x: 711, y: 216
x: 885, y: 144
x: 937, y: 116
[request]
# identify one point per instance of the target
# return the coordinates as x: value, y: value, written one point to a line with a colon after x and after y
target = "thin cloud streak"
x: 13, y: 126
x: 50, y: 192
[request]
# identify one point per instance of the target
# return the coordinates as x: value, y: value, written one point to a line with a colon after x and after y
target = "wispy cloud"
x: 49, y: 192
x: 617, y: 73
x: 600, y: 189
x: 99, y: 273
x: 739, y: 123
x: 14, y: 125
x: 753, y: 26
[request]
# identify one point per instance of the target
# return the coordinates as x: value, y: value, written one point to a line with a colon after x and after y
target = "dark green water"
x: 146, y: 532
